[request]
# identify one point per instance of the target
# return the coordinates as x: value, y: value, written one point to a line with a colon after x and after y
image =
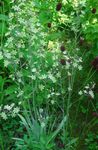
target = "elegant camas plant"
x: 48, y: 82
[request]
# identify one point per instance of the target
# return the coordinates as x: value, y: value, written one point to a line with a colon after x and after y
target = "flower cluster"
x: 70, y: 61
x: 88, y: 90
x: 7, y: 111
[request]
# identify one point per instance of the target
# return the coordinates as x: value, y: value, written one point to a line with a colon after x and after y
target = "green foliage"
x: 45, y: 57
x: 37, y: 137
x: 91, y: 141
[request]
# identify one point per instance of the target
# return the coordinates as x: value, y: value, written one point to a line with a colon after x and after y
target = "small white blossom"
x: 15, y: 111
x: 33, y: 70
x: 33, y: 77
x: 80, y: 67
x: 6, y: 63
x: 64, y: 2
x: 85, y: 91
x: 57, y: 94
x: 91, y: 93
x: 48, y: 96
x: 40, y: 110
x: 52, y: 78
x: 19, y: 103
x: 19, y: 80
x: 42, y: 124
x: 50, y: 45
x: 7, y: 107
x: 80, y: 93
x: 69, y: 89
x: 43, y: 77
x: 87, y: 87
x: 3, y: 115
x: 41, y: 87
x: 52, y: 102
x: 7, y: 55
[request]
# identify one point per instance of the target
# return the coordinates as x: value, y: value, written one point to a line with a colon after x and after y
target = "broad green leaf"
x: 3, y: 17
x: 2, y: 28
x: 58, y: 129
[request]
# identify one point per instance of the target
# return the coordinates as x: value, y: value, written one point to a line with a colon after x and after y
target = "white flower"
x: 7, y: 55
x: 66, y: 57
x: 32, y: 77
x: 69, y: 89
x: 87, y: 87
x: 16, y: 110
x: 52, y: 78
x: 63, y: 18
x: 50, y: 45
x: 19, y: 103
x: 91, y: 93
x: 41, y: 87
x: 42, y: 124
x: 93, y: 85
x: 85, y: 91
x: 43, y: 77
x: 77, y: 49
x: 33, y: 70
x: 19, y: 80
x: 7, y: 107
x: 94, y: 20
x: 64, y: 2
x: 4, y: 116
x: 80, y: 93
x: 52, y: 93
x: 48, y: 96
x: 80, y: 67
x: 16, y: 8
x: 6, y: 63
x: 52, y: 102
x: 64, y: 52
x: 40, y: 110
x: 80, y: 59
x: 57, y: 94
x: 10, y: 39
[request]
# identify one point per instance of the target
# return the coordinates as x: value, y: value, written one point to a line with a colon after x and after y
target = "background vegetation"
x: 49, y: 75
